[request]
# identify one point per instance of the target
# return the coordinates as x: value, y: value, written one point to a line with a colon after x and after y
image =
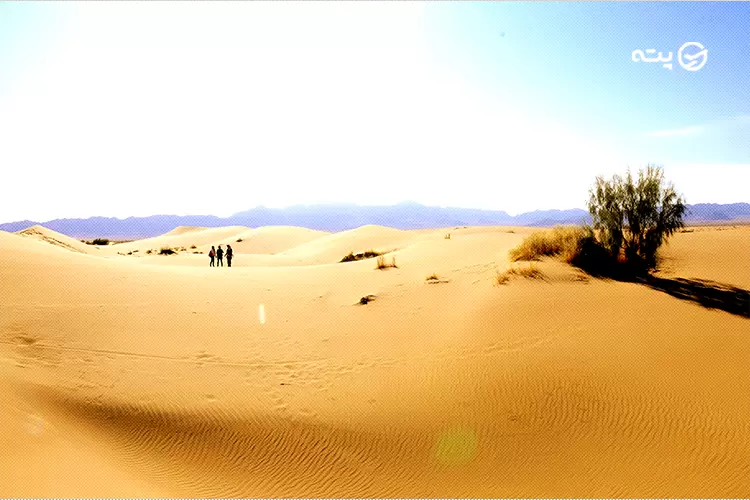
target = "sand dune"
x: 711, y: 253
x: 126, y: 378
x: 333, y: 247
x: 198, y: 241
x: 179, y: 230
x: 273, y: 239
x: 198, y: 237
x: 41, y: 233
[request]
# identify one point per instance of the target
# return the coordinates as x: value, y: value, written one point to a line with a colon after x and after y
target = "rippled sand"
x: 133, y: 375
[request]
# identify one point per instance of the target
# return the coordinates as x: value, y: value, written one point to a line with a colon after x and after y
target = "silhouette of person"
x: 212, y: 254
x: 220, y: 257
x: 230, y: 254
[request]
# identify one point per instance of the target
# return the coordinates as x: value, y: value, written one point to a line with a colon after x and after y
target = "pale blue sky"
x: 135, y: 108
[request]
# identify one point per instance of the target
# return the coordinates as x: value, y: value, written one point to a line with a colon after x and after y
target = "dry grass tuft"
x: 530, y: 272
x: 563, y: 241
x: 382, y: 264
x: 367, y: 298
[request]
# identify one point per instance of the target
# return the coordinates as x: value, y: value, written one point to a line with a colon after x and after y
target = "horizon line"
x: 331, y: 204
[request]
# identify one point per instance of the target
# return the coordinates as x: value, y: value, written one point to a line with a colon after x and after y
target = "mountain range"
x: 406, y: 215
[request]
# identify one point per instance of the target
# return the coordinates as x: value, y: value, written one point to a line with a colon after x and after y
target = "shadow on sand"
x: 597, y: 262
x: 709, y: 294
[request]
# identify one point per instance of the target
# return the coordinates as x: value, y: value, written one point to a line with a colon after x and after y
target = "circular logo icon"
x: 690, y: 59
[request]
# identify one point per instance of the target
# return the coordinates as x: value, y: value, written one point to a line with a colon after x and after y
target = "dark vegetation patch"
x: 369, y: 254
x: 98, y: 241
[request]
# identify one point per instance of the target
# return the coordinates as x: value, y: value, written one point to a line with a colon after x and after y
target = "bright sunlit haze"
x: 135, y: 109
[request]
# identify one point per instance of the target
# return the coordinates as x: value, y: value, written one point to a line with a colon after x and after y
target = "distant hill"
x: 712, y: 212
x: 407, y: 215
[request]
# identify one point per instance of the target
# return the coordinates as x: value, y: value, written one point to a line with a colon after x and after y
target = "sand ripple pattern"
x: 535, y: 434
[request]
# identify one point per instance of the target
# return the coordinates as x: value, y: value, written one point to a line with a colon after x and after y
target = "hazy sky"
x: 136, y: 108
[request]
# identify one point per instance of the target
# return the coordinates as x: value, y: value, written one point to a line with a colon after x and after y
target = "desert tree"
x: 635, y: 216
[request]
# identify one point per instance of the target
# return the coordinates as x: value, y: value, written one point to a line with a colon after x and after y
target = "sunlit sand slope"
x: 122, y: 378
x: 186, y: 237
x: 198, y: 241
x: 717, y: 253
x: 51, y: 237
x: 273, y: 239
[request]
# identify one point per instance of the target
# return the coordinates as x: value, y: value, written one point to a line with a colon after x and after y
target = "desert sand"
x: 154, y: 375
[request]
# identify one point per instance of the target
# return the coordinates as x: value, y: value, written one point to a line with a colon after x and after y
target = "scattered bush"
x: 351, y: 257
x: 382, y: 264
x: 239, y: 240
x: 166, y: 251
x: 193, y: 247
x: 431, y: 277
x: 99, y: 241
x: 448, y: 236
x: 149, y: 251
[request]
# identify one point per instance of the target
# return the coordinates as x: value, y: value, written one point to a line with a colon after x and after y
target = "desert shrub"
x: 239, y: 240
x: 193, y: 247
x: 360, y: 256
x: 99, y: 241
x: 166, y: 251
x: 564, y: 241
x: 149, y: 251
x: 448, y: 236
x: 432, y: 277
x: 636, y: 216
x: 631, y: 218
x: 593, y: 258
x: 382, y: 264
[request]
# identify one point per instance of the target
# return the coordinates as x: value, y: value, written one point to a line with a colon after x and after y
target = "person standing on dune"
x: 230, y: 254
x: 212, y: 254
x: 220, y: 257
